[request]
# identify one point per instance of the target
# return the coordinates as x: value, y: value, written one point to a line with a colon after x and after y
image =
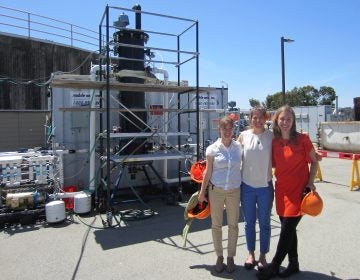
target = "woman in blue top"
x: 223, y: 176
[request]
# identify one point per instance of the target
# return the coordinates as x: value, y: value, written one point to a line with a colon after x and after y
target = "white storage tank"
x: 55, y: 211
x: 340, y: 136
x: 82, y: 203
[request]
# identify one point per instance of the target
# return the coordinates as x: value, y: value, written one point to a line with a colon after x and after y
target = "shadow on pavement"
x: 168, y: 221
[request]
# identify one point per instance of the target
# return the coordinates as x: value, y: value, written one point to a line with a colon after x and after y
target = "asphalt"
x: 82, y: 248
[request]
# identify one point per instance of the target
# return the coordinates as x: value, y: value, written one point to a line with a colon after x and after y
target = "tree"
x: 274, y: 101
x: 254, y: 102
x: 303, y: 96
x: 326, y: 95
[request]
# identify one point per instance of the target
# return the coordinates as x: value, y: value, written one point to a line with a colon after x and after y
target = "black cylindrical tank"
x: 357, y: 108
x: 132, y: 100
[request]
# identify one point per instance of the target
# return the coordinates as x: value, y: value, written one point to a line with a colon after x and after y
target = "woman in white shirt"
x: 223, y: 178
x: 257, y: 192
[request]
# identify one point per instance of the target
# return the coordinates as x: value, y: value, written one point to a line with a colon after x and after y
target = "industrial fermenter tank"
x: 130, y: 49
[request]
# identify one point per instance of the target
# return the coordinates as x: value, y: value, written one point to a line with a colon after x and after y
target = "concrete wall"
x: 23, y: 59
x: 24, y: 106
x: 22, y: 130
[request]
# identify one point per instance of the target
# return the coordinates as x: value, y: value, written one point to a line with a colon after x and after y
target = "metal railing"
x: 31, y: 25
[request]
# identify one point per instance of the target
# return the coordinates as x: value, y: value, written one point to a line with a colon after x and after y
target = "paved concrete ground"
x: 81, y: 248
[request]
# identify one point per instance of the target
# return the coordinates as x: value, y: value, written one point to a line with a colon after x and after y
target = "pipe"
x: 61, y: 167
x: 92, y: 127
x: 166, y: 114
x: 65, y: 195
x: 137, y: 7
x: 92, y: 130
x: 176, y: 180
x: 95, y: 69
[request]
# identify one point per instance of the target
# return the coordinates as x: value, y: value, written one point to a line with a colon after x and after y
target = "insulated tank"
x: 82, y: 203
x: 132, y: 58
x: 55, y: 211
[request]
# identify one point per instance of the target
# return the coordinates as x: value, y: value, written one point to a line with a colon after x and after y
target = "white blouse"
x: 257, y: 163
x: 226, y: 173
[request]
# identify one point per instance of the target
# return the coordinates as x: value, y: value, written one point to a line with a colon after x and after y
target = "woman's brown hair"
x: 224, y: 121
x: 276, y: 128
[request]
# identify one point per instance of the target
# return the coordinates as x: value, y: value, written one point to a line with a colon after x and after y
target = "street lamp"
x: 222, y: 94
x: 283, y: 40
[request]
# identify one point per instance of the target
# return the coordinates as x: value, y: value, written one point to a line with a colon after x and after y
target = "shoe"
x: 219, y: 266
x: 268, y: 272
x: 230, y: 265
x: 261, y: 264
x: 291, y: 269
x: 250, y: 265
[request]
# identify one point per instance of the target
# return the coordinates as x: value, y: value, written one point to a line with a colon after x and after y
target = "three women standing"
x: 290, y: 153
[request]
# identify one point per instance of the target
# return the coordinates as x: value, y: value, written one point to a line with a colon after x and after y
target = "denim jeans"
x: 257, y: 202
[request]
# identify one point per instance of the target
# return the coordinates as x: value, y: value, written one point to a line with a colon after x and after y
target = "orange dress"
x: 291, y: 163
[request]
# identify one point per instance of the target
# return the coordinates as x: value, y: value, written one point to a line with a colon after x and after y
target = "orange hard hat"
x: 197, y: 171
x: 233, y: 116
x: 312, y: 204
x: 200, y: 211
x: 267, y: 116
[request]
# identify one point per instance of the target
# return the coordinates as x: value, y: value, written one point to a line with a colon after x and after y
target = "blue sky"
x: 239, y: 40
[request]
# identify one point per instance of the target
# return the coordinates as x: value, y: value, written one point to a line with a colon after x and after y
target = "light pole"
x: 222, y: 94
x: 283, y: 40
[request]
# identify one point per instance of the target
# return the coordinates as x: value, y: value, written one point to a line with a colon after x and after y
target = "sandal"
x: 250, y: 265
x: 261, y: 264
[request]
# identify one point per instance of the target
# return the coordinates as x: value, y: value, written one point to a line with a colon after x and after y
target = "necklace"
x: 258, y: 137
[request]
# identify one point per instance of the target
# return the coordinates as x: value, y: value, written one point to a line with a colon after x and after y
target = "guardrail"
x: 41, y: 27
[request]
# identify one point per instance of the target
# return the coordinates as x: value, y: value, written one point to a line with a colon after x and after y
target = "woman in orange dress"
x: 292, y: 152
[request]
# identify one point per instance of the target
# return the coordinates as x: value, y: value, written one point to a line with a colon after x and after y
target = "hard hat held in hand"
x: 312, y: 204
x: 200, y: 211
x: 195, y: 209
x: 197, y: 171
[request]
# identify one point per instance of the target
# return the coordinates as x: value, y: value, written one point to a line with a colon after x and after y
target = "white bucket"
x: 55, y: 211
x: 82, y: 203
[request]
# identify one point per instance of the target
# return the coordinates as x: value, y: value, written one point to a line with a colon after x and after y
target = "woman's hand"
x: 202, y: 196
x: 318, y: 155
x: 311, y: 186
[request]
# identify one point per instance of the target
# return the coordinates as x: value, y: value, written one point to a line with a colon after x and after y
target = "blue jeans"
x: 257, y: 202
